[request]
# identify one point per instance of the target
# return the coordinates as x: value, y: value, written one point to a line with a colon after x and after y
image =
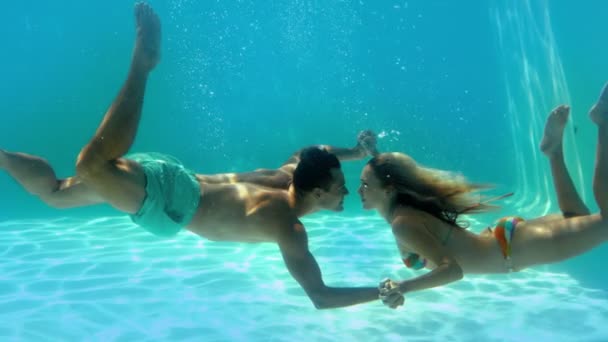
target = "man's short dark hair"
x: 314, y: 170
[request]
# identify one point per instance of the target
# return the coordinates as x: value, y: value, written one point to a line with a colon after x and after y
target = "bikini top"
x: 415, y: 261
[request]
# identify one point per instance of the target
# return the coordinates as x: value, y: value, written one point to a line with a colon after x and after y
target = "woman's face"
x: 371, y: 192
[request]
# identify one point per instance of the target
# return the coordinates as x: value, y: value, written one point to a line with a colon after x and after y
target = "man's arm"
x: 366, y: 144
x: 273, y: 178
x: 281, y: 178
x: 305, y: 270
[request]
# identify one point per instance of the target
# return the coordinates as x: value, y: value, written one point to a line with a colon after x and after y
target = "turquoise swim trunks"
x: 172, y: 194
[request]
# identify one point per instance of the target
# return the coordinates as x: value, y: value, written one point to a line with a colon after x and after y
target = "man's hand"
x: 390, y: 294
x: 367, y: 141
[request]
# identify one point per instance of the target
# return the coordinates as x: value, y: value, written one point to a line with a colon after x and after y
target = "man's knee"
x: 42, y: 187
x: 89, y: 164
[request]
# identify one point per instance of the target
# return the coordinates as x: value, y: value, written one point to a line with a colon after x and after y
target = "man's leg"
x: 118, y: 181
x: 38, y: 178
x: 599, y: 115
x: 568, y: 198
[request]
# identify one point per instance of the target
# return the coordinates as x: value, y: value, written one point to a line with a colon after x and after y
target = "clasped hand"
x: 367, y: 141
x: 390, y: 294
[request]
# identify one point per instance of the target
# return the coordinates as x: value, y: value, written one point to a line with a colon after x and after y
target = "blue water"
x: 459, y: 86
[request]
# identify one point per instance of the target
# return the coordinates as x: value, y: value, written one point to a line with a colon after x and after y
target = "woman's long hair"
x: 442, y: 194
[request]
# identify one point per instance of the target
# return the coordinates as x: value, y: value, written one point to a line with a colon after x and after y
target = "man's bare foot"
x: 599, y: 111
x: 554, y: 130
x: 147, y: 42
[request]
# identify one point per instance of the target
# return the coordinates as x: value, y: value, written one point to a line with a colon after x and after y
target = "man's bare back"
x: 262, y: 205
x: 242, y: 212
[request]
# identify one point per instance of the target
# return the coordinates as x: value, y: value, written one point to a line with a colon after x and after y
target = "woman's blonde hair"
x: 442, y: 194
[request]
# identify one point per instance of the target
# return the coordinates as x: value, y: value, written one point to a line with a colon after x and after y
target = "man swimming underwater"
x: 163, y: 197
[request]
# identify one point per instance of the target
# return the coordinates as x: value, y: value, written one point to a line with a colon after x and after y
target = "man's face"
x: 333, y: 198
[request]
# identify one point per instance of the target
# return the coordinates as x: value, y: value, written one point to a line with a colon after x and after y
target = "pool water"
x: 105, y: 279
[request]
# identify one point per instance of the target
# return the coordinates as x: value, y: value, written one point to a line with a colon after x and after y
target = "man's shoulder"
x: 289, y: 167
x: 275, y: 202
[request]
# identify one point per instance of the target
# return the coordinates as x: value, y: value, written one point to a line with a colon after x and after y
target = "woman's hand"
x: 390, y: 294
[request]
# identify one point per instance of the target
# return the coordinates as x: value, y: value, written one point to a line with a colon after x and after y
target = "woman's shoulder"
x: 404, y: 217
x: 412, y: 216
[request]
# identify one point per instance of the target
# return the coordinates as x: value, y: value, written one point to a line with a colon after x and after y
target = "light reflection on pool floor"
x: 106, y: 279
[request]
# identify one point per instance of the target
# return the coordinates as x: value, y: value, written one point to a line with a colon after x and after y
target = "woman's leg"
x: 547, y: 241
x: 599, y: 115
x: 570, y: 202
x: 541, y: 241
x: 38, y: 178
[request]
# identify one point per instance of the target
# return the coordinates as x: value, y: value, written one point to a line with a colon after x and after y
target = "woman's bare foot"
x: 599, y: 111
x: 554, y: 130
x: 147, y: 43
